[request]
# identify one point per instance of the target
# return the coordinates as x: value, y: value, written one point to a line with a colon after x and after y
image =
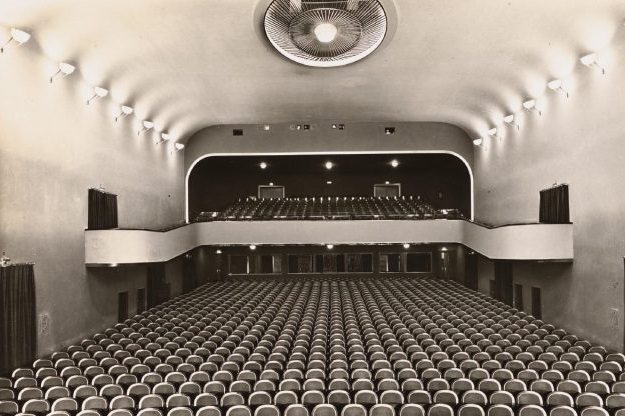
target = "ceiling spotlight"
x: 18, y: 36
x: 124, y: 111
x: 406, y: 246
x: 329, y: 246
x: 325, y: 32
x: 217, y: 251
x: 178, y: 146
x: 493, y: 132
x: 98, y: 92
x: 165, y: 136
x: 509, y: 119
x: 146, y: 125
x: 64, y: 70
x: 590, y: 60
x: 478, y: 141
x: 530, y: 105
x: 556, y: 85
x: 252, y: 247
x: 262, y: 165
x: 329, y: 165
x: 394, y: 163
x: 270, y: 183
x: 266, y: 127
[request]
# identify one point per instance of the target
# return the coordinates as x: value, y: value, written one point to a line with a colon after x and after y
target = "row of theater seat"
x: 405, y: 207
x: 324, y: 347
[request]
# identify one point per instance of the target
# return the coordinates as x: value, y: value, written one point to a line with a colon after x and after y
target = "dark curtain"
x: 102, y: 210
x: 18, y: 332
x: 503, y: 281
x: 554, y: 205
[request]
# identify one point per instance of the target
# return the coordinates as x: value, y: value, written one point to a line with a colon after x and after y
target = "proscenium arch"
x: 448, y: 152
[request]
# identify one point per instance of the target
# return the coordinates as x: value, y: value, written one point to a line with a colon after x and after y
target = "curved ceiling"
x: 195, y: 63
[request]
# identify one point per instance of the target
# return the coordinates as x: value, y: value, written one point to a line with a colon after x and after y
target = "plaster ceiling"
x: 195, y: 63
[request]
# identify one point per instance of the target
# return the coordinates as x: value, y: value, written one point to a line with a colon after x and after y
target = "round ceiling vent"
x: 325, y: 33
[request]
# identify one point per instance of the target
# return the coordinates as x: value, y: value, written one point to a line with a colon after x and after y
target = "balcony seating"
x: 329, y: 208
x: 324, y: 347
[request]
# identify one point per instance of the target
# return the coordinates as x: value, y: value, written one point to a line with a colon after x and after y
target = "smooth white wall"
x: 53, y: 147
x: 578, y: 141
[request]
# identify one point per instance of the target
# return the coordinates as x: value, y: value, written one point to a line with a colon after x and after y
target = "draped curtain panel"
x: 102, y: 210
x: 18, y: 323
x: 554, y: 205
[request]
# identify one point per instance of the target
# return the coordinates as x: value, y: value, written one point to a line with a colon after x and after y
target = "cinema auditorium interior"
x: 312, y: 208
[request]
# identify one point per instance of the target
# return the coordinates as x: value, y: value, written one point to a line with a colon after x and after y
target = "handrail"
x: 183, y: 224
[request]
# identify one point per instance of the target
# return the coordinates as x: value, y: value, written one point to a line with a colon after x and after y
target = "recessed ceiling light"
x: 394, y: 163
x: 325, y: 32
x: 329, y: 165
x: 263, y: 165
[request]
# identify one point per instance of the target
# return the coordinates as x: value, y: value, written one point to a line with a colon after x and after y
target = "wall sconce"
x: 590, y: 61
x: 19, y: 36
x: 64, y: 70
x: 530, y: 105
x: 98, y: 92
x: 124, y: 111
x: 556, y: 85
x: 509, y: 119
x: 147, y: 125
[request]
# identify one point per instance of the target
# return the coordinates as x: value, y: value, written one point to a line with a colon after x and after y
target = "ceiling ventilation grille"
x: 325, y: 33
